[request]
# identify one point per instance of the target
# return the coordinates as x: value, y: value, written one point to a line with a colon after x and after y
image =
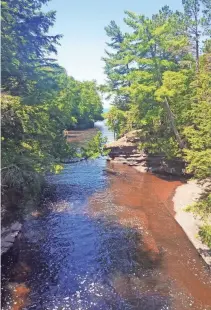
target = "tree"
x: 192, y: 12
x: 198, y: 126
x: 198, y: 21
x: 39, y: 100
x: 156, y: 45
x: 115, y: 120
x: 116, y: 71
x: 206, y: 18
x: 169, y: 98
x: 26, y: 44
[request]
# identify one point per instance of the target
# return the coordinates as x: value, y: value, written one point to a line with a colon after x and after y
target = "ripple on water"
x: 105, y: 242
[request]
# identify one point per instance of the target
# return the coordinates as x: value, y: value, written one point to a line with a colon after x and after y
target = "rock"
x: 111, y: 171
x: 125, y: 146
x: 16, y: 226
x: 141, y: 169
x: 72, y: 160
x: 8, y: 236
x: 137, y: 156
x: 129, y: 139
x: 119, y: 161
x: 125, y: 150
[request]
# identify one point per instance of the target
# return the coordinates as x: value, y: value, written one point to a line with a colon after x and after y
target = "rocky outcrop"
x: 125, y: 146
x: 125, y: 151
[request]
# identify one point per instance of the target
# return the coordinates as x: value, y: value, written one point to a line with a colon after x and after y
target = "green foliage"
x: 27, y: 146
x: 153, y: 47
x: 159, y: 77
x: 157, y: 87
x: 115, y: 120
x: 197, y: 18
x: 94, y: 148
x: 26, y: 44
x: 198, y: 128
x: 39, y: 100
x: 202, y: 208
x: 205, y: 234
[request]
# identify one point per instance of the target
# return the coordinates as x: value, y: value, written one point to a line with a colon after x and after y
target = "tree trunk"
x: 197, y: 35
x: 197, y: 50
x: 167, y: 106
x: 173, y: 125
x: 128, y: 70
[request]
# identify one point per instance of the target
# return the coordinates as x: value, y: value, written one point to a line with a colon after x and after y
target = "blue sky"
x: 82, y: 24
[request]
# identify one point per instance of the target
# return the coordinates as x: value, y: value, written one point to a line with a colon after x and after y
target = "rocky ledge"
x: 125, y: 151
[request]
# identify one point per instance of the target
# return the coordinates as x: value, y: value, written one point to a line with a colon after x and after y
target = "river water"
x: 106, y: 241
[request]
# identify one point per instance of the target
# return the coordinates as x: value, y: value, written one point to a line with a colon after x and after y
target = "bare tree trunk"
x: 167, y: 106
x: 173, y: 125
x: 197, y: 55
x: 197, y: 45
x: 127, y: 66
x: 196, y: 35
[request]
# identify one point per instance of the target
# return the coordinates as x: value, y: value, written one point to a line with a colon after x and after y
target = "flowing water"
x: 106, y: 241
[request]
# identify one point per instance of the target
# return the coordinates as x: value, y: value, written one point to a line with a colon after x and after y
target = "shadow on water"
x: 61, y: 266
x: 104, y: 242
x: 68, y: 258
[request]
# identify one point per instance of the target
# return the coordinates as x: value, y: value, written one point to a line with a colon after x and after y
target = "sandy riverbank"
x: 185, y: 195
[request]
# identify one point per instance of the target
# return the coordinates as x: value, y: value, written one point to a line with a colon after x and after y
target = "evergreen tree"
x: 116, y: 71
x: 26, y: 44
x: 198, y: 21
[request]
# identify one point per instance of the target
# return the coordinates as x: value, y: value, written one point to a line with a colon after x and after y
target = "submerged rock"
x: 72, y: 160
x: 111, y: 171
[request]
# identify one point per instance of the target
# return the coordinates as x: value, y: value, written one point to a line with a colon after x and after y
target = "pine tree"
x: 26, y: 44
x: 116, y: 71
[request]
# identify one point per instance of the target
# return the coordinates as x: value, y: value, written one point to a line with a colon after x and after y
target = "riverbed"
x: 106, y: 241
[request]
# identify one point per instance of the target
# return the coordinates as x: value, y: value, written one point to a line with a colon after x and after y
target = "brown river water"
x: 105, y: 242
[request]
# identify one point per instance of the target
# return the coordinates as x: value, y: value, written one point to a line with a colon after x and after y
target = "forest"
x: 159, y: 81
x: 39, y: 100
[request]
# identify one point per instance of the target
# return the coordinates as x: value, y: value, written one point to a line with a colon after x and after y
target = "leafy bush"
x: 202, y: 208
x: 94, y: 148
x: 205, y: 234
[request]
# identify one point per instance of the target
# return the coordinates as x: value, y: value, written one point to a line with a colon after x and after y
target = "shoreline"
x: 185, y: 195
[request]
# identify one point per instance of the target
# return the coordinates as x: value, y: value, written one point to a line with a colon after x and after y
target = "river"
x: 105, y: 242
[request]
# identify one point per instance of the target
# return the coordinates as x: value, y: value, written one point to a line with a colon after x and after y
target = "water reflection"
x: 105, y: 242
x: 75, y: 268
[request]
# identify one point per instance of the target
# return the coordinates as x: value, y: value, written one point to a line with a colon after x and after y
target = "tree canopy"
x: 161, y: 84
x: 159, y: 76
x: 39, y: 99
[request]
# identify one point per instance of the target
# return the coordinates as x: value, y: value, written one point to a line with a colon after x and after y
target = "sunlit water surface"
x: 106, y: 241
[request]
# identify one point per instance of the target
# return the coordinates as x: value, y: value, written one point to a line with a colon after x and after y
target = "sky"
x: 82, y: 22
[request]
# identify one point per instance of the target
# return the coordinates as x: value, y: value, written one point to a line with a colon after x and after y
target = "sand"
x: 185, y: 195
